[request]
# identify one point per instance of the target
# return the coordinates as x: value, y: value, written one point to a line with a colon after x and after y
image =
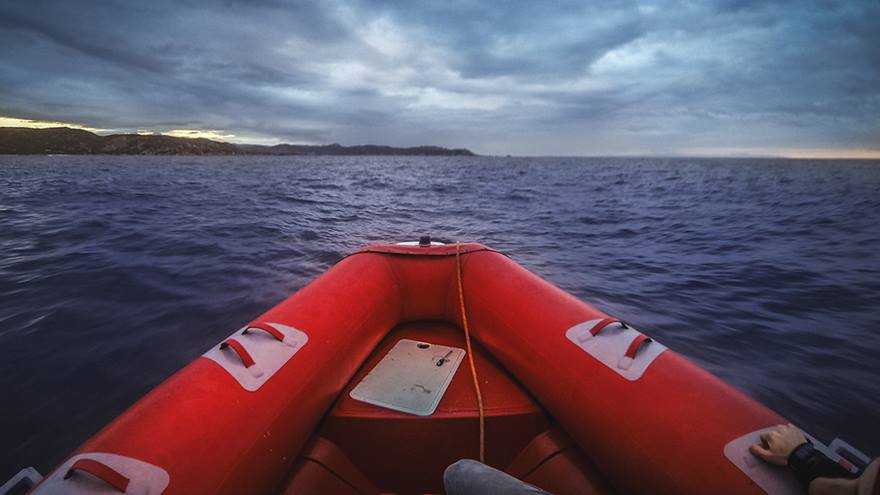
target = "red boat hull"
x: 663, y: 433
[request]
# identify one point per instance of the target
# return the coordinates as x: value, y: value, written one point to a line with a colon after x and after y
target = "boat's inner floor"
x: 365, y: 449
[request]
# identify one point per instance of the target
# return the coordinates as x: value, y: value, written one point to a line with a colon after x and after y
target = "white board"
x: 411, y: 378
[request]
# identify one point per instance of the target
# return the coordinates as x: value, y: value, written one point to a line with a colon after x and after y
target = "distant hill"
x: 67, y: 141
x: 363, y: 149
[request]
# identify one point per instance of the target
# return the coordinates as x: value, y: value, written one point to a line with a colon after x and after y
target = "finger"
x: 760, y: 452
x: 766, y: 436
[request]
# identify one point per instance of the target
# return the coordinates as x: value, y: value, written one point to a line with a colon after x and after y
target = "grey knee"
x: 469, y: 477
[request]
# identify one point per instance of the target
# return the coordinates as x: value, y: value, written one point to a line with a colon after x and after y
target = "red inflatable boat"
x: 361, y: 383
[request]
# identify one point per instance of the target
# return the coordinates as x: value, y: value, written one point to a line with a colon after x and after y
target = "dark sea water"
x: 117, y: 271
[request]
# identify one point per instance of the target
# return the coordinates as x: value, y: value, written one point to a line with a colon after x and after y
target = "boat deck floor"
x: 360, y: 448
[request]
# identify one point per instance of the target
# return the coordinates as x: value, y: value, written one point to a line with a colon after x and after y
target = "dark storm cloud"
x: 528, y: 77
x: 63, y: 36
x: 527, y: 39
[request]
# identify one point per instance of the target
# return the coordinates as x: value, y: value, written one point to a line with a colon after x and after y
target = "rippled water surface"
x: 117, y: 271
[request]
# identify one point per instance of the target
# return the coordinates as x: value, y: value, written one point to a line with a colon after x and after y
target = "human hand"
x: 779, y: 443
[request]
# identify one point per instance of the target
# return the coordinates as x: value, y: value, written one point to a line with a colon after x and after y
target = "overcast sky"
x: 725, y: 77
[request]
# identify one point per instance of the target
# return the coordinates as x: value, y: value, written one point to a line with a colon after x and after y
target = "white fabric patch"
x: 610, y: 345
x: 144, y: 478
x: 269, y: 354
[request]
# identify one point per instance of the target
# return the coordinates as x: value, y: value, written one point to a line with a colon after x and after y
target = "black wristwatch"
x: 807, y: 463
x: 801, y: 454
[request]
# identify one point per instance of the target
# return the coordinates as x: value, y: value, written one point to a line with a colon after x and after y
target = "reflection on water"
x: 117, y: 271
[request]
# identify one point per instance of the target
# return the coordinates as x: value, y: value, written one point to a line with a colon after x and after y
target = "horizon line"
x: 718, y: 152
